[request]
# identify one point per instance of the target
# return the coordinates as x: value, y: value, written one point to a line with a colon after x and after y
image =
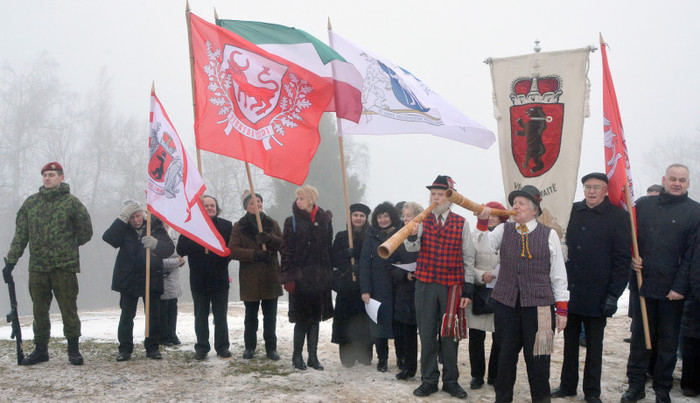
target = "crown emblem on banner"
x: 544, y: 90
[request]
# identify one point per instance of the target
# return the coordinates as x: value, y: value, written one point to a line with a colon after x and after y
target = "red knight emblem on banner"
x: 536, y: 121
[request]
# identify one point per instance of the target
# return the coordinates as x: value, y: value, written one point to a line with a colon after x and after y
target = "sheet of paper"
x: 372, y: 309
x: 408, y: 267
x: 495, y: 273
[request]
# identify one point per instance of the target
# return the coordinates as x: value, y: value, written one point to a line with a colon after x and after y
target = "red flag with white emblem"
x: 253, y: 105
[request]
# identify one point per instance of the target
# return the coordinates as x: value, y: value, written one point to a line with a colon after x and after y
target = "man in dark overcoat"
x: 667, y: 227
x: 598, y: 239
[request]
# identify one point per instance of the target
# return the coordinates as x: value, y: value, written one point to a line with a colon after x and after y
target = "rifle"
x: 13, y: 317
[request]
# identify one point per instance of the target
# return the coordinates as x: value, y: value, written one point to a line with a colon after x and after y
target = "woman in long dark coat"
x: 306, y: 272
x: 350, y: 322
x: 258, y: 274
x: 375, y: 277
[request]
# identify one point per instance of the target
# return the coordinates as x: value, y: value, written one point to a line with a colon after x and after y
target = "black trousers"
x: 664, y: 326
x: 125, y: 331
x: 595, y: 330
x: 218, y: 303
x: 406, y: 343
x: 250, y: 334
x: 168, y: 319
x: 477, y: 354
x: 690, y: 379
x: 516, y: 329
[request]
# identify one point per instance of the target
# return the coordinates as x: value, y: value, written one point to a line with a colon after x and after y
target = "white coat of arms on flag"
x: 164, y: 164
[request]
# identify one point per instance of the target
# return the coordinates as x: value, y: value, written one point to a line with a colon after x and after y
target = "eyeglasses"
x: 588, y: 188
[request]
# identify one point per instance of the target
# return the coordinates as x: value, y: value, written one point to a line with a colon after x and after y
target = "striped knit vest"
x: 440, y: 256
x: 522, y: 278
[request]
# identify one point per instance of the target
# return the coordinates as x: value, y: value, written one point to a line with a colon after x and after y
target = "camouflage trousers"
x: 42, y: 287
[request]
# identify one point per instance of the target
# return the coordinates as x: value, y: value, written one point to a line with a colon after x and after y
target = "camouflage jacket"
x: 55, y: 224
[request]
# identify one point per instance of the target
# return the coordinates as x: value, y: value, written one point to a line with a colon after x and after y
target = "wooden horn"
x: 387, y: 248
x: 460, y: 200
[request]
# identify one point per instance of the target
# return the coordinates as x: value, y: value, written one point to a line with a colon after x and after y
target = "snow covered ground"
x: 179, y: 377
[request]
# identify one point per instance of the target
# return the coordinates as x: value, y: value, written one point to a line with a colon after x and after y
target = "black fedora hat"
x: 528, y: 191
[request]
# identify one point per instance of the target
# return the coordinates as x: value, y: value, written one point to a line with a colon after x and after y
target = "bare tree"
x: 681, y: 148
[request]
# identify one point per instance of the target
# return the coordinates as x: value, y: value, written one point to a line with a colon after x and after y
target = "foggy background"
x: 75, y: 81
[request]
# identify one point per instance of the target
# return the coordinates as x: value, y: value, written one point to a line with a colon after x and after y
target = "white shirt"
x: 557, y: 271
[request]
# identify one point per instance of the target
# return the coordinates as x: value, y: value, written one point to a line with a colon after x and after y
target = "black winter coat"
x: 375, y: 279
x: 405, y: 289
x: 667, y: 227
x: 306, y: 261
x: 348, y: 299
x: 690, y: 324
x: 599, y: 243
x: 208, y: 271
x: 129, y: 274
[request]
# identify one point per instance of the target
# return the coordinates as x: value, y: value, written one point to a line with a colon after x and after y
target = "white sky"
x: 653, y: 57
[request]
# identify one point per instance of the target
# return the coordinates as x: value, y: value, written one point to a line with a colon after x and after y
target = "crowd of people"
x: 443, y: 282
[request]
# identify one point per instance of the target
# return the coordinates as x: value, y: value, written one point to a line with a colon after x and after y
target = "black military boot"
x: 74, y: 352
x: 40, y: 354
x: 299, y: 334
x: 312, y: 346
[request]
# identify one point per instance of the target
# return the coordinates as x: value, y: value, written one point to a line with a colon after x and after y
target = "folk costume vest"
x: 440, y: 257
x: 524, y: 272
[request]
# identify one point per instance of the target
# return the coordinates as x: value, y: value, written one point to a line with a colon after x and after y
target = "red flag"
x: 174, y: 184
x: 617, y: 163
x: 253, y: 105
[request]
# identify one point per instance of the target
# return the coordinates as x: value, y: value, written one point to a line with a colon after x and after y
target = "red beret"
x: 52, y: 166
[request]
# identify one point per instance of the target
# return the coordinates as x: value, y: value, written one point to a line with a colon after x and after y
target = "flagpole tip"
x: 330, y: 28
x: 153, y: 87
x: 216, y: 15
x: 187, y: 6
x: 600, y: 36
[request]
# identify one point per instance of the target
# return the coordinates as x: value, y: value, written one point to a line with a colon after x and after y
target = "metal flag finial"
x: 537, y: 47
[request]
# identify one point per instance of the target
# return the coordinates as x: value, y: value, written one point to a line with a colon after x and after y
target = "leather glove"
x: 290, y: 287
x: 609, y: 306
x: 128, y: 211
x: 351, y: 252
x: 262, y: 238
x: 149, y: 242
x: 7, y: 271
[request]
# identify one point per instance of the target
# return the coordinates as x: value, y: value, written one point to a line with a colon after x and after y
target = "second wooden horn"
x: 387, y: 248
x: 460, y: 200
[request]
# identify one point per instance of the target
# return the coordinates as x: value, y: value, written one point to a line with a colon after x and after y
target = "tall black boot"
x: 74, y: 352
x: 299, y: 335
x: 40, y: 354
x: 312, y: 347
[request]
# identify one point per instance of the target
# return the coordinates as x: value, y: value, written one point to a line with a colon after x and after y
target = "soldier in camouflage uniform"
x: 54, y: 223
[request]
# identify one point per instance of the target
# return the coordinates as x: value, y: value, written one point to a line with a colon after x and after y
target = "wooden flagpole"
x: 194, y: 98
x: 342, y: 160
x: 635, y: 249
x: 147, y: 297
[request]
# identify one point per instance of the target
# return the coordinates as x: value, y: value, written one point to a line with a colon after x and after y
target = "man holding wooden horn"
x: 531, y: 279
x: 444, y: 284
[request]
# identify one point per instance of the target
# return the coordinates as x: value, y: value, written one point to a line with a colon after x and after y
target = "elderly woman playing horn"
x: 531, y: 281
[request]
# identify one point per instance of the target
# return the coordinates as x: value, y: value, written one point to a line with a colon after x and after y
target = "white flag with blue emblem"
x: 395, y: 102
